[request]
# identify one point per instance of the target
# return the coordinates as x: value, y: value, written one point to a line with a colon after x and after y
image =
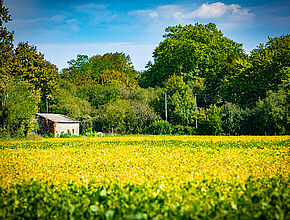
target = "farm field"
x: 146, y: 177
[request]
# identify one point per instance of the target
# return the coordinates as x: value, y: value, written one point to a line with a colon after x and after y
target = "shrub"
x: 49, y: 135
x: 210, y: 121
x: 183, y: 130
x: 232, y: 119
x: 271, y: 115
x: 160, y: 127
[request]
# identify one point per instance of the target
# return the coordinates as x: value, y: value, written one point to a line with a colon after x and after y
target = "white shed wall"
x: 64, y: 127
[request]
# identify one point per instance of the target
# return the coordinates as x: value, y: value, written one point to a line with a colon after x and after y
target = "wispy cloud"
x: 63, y: 19
x: 217, y: 12
x: 86, y: 7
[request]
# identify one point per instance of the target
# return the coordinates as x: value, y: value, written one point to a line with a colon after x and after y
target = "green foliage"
x: 142, y: 117
x: 31, y: 66
x: 183, y: 130
x: 266, y: 69
x: 49, y: 135
x: 99, y: 95
x: 66, y: 135
x: 123, y: 116
x: 232, y: 119
x: 66, y: 103
x: 191, y: 51
x: 148, y: 95
x: 160, y: 127
x: 256, y: 199
x: 112, y: 61
x: 18, y: 109
x: 106, y: 69
x: 181, y: 102
x: 210, y: 121
x: 6, y: 53
x: 116, y: 115
x: 121, y: 78
x: 271, y: 115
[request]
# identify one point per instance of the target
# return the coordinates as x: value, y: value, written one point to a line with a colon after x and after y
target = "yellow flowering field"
x: 144, y: 177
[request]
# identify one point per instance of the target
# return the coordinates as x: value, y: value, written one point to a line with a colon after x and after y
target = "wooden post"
x: 165, y: 105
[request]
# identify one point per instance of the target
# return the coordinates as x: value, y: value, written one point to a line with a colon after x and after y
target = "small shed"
x: 57, y: 124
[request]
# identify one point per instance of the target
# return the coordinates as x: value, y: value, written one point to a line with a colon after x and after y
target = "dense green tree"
x: 232, y: 119
x: 271, y: 115
x: 111, y: 67
x: 98, y: 94
x: 194, y: 50
x: 116, y: 116
x: 210, y: 121
x: 66, y: 103
x: 160, y: 127
x: 266, y: 69
x: 112, y: 61
x: 31, y: 66
x: 6, y: 54
x: 79, y: 71
x: 142, y: 117
x: 181, y: 102
x: 17, y: 113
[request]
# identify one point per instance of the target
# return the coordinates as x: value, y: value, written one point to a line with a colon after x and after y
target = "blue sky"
x: 61, y: 29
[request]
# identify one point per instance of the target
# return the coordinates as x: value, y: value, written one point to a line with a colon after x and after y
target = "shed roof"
x: 58, y: 118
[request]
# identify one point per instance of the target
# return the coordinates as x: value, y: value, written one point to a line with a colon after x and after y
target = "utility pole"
x: 46, y: 105
x: 195, y: 110
x: 165, y: 105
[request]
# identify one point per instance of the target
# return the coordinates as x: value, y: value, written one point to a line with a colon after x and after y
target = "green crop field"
x: 146, y: 177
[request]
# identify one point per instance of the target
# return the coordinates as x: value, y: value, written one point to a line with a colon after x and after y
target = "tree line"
x: 212, y: 86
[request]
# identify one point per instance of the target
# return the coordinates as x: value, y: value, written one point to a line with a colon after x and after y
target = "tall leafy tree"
x: 268, y: 70
x: 6, y: 54
x: 32, y: 67
x: 112, y: 61
x: 17, y: 115
x: 79, y: 71
x: 271, y: 115
x: 101, y: 69
x: 194, y: 51
x: 181, y: 102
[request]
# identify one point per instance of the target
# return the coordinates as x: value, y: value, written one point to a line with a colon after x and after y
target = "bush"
x: 210, y: 121
x: 160, y: 127
x: 232, y: 119
x: 18, y: 105
x: 183, y: 130
x: 49, y: 135
x: 271, y: 115
x: 142, y: 117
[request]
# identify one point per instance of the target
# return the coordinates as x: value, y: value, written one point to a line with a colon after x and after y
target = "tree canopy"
x: 194, y: 51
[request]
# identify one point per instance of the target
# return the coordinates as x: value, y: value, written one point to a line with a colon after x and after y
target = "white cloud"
x: 216, y: 12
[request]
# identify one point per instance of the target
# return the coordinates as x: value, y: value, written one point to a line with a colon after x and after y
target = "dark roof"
x: 57, y: 117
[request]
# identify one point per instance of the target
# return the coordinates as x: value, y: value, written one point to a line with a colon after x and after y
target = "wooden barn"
x: 57, y: 124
